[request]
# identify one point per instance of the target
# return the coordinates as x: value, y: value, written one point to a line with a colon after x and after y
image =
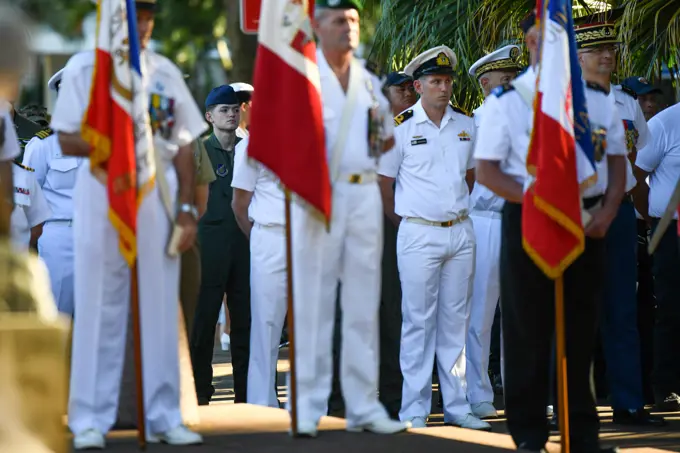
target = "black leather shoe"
x: 639, y: 417
x: 526, y: 447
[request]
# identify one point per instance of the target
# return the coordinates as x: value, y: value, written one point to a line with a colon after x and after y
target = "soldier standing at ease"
x: 399, y: 90
x: 358, y: 130
x: 434, y: 172
x: 491, y: 71
x: 527, y: 294
x: 56, y: 175
x: 225, y: 255
x: 598, y: 46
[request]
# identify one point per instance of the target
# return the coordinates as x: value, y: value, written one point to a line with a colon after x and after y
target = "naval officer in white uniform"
x: 492, y: 70
x: 258, y: 205
x: 56, y: 175
x: 527, y: 294
x: 350, y: 251
x: 102, y: 277
x: 434, y: 171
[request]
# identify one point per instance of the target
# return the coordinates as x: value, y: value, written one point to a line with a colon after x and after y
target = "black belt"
x: 592, y: 201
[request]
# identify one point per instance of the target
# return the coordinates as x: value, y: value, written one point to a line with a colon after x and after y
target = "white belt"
x: 358, y: 178
x: 449, y: 223
x: 268, y: 227
x: 487, y: 214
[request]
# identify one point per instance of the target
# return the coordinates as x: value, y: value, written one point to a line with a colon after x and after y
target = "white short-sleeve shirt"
x: 55, y: 174
x: 635, y: 126
x: 482, y: 198
x: 429, y: 163
x: 661, y: 158
x: 507, y: 122
x: 267, y: 205
x: 31, y: 208
x: 356, y: 156
x: 164, y: 84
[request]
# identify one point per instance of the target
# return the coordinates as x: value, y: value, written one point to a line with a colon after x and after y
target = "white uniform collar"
x: 419, y: 115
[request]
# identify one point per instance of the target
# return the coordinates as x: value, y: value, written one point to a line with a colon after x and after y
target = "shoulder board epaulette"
x: 502, y: 89
x: 460, y: 110
x: 628, y: 91
x: 23, y: 166
x: 597, y: 87
x: 43, y: 134
x: 403, y: 116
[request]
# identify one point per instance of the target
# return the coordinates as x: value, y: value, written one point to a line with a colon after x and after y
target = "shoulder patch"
x: 404, y: 116
x: 23, y: 166
x: 43, y: 134
x: 597, y: 87
x: 628, y: 91
x: 460, y: 110
x: 502, y: 89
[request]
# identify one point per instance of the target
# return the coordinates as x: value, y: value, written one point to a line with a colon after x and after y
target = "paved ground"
x: 667, y: 438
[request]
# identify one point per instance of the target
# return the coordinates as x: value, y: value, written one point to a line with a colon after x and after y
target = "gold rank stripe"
x: 506, y: 63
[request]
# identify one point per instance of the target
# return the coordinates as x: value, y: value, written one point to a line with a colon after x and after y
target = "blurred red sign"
x: 250, y: 16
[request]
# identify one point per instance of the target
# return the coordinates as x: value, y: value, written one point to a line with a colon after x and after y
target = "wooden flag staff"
x: 292, y: 391
x: 562, y: 393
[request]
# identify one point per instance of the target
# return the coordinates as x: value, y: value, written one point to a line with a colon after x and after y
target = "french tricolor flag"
x: 552, y: 226
x: 116, y: 121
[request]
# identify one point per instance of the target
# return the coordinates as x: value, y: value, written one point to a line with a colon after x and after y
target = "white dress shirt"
x: 55, y: 173
x: 482, y: 198
x: 356, y: 158
x: 661, y: 158
x: 429, y: 163
x: 508, y: 120
x: 267, y: 205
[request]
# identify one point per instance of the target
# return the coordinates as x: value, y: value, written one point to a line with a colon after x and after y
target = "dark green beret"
x: 340, y: 4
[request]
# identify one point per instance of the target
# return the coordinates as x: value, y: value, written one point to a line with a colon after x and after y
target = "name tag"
x: 418, y: 141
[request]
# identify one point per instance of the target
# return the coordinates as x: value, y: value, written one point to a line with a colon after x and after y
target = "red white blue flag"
x: 116, y: 121
x: 560, y: 160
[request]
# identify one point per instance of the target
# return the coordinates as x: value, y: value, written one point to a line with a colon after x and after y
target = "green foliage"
x: 472, y: 28
x: 186, y: 29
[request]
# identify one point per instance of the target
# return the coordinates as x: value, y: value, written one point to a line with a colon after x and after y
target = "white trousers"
x: 102, y: 298
x: 436, y: 268
x: 55, y: 247
x: 268, y: 311
x: 350, y: 253
x: 485, y: 293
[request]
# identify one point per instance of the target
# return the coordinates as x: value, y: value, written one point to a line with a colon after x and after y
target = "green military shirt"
x: 204, y: 171
x: 219, y: 201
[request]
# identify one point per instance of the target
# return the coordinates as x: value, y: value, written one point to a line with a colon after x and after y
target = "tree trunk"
x: 242, y: 47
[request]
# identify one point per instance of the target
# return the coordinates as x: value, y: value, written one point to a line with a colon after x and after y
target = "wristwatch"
x: 189, y: 209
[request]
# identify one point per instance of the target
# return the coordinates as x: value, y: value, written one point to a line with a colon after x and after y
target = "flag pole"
x: 137, y: 342
x: 562, y: 393
x: 292, y: 391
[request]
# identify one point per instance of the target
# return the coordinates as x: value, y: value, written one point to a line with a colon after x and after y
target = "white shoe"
x: 179, y: 435
x: 469, y: 421
x: 484, y: 410
x: 226, y: 341
x: 90, y: 439
x: 549, y: 411
x: 381, y: 426
x: 305, y: 429
x: 418, y: 422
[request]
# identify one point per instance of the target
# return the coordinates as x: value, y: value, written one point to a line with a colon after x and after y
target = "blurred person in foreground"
x: 102, y: 276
